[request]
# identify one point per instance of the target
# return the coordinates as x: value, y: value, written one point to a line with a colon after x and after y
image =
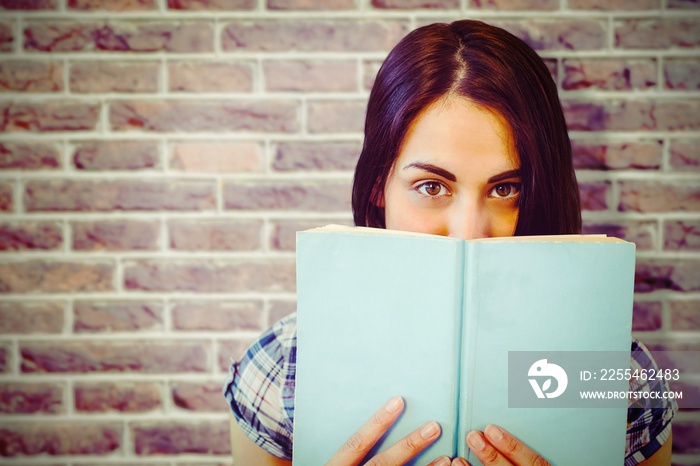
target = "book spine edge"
x: 468, y: 331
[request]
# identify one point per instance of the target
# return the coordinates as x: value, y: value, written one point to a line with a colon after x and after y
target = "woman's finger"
x: 483, y: 450
x: 496, y: 447
x: 361, y: 442
x: 512, y: 448
x: 441, y: 461
x: 409, y: 446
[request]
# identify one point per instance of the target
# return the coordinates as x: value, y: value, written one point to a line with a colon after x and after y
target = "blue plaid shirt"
x: 260, y: 391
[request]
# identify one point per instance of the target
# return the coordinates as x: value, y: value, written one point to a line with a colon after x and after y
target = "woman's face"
x: 457, y: 174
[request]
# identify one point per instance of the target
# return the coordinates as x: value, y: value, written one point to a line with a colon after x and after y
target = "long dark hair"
x: 494, y: 69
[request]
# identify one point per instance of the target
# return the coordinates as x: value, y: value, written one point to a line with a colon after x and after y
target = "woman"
x: 464, y: 137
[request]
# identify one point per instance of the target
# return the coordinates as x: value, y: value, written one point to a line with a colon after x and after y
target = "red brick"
x: 53, y: 438
x: 608, y: 115
x: 115, y: 356
x: 48, y: 116
x: 682, y: 235
x: 594, y: 195
x: 681, y: 356
x: 216, y: 316
x: 6, y: 36
x: 691, y: 393
x: 123, y: 397
x: 201, y: 76
x: 213, y: 5
x: 325, y: 196
x: 30, y: 76
x: 137, y: 464
x: 27, y: 236
x: 59, y: 36
x: 515, y: 5
x: 101, y: 77
x: 613, y: 4
x: 176, y: 438
x: 280, y: 310
x: 115, y: 155
x: 609, y: 74
x: 264, y: 275
x: 107, y: 195
x: 418, y: 4
x: 221, y: 115
x: 55, y: 276
x: 200, y: 397
x: 310, y: 75
x: 218, y: 157
x: 30, y: 398
x: 113, y: 5
x: 559, y: 34
x: 314, y: 5
x: 232, y: 350
x: 317, y: 156
x: 214, y: 234
x: 116, y: 235
x: 685, y: 437
x: 313, y: 35
x: 283, y: 236
x: 31, y: 317
x: 340, y: 116
x: 667, y: 274
x: 640, y: 232
x: 6, y: 196
x: 675, y: 115
x: 117, y: 316
x: 646, y: 316
x: 682, y: 73
x: 151, y: 36
x: 5, y: 357
x: 28, y: 4
x: 617, y: 156
x: 657, y: 33
x: 682, y: 4
x: 685, y: 315
x: 632, y: 115
x: 29, y: 156
x: 659, y: 196
x: 370, y: 68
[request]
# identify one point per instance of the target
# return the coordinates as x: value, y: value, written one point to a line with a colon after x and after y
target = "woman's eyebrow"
x: 432, y: 169
x: 505, y: 175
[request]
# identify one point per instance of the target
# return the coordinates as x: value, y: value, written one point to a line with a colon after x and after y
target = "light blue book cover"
x: 433, y: 319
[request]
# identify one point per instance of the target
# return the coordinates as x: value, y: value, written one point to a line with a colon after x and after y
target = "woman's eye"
x: 505, y: 190
x: 431, y: 188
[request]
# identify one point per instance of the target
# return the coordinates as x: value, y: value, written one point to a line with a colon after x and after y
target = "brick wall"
x: 156, y: 157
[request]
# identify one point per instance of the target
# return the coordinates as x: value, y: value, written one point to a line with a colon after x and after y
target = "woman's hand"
x: 494, y: 447
x: 362, y: 441
x: 497, y: 447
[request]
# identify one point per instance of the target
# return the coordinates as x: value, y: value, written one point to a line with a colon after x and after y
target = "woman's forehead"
x: 455, y: 131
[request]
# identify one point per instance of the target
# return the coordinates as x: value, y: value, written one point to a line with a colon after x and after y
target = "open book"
x: 433, y: 319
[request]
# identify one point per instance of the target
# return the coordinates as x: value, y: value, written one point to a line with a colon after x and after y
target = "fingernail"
x: 393, y: 404
x: 493, y: 432
x: 459, y: 462
x: 444, y: 461
x: 475, y: 441
x: 430, y: 430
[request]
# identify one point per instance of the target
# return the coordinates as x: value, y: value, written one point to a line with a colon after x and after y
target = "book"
x: 434, y: 319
